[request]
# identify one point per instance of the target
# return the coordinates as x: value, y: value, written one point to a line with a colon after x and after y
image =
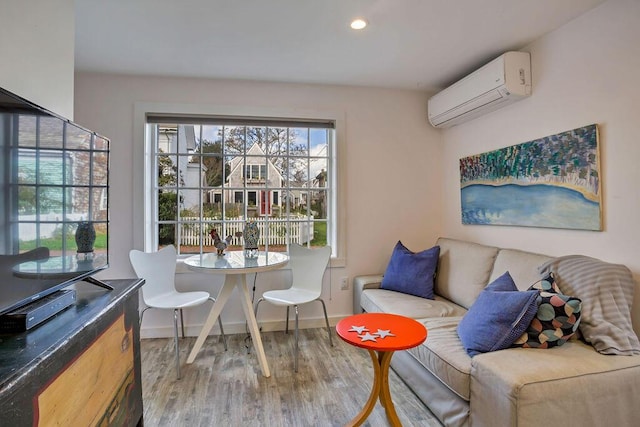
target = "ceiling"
x: 410, y: 44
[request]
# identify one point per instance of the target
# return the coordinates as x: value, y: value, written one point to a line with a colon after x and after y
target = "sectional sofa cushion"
x: 442, y: 354
x: 522, y: 266
x: 463, y: 270
x: 381, y: 300
x: 498, y: 317
x: 411, y: 272
x: 571, y: 385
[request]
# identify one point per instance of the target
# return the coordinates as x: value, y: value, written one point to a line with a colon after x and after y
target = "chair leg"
x: 326, y: 319
x: 295, y: 363
x: 286, y: 322
x: 182, y: 322
x: 255, y: 312
x: 175, y: 336
x: 224, y: 337
x: 142, y: 314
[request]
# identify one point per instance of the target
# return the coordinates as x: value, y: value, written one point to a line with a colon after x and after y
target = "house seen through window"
x: 219, y: 174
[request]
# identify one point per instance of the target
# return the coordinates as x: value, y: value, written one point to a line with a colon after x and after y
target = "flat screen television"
x: 54, y: 206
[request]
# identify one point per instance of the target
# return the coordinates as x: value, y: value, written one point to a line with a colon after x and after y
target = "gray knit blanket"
x: 606, y: 291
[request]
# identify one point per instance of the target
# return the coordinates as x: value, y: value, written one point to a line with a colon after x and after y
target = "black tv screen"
x: 54, y: 208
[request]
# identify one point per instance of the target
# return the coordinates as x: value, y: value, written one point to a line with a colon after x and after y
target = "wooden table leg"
x: 247, y: 306
x: 221, y: 300
x: 373, y: 397
x: 379, y: 390
x: 385, y: 395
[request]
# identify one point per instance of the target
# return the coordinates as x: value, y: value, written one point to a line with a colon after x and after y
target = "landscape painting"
x: 550, y: 182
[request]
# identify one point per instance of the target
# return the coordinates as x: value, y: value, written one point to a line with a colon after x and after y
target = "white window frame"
x: 143, y: 197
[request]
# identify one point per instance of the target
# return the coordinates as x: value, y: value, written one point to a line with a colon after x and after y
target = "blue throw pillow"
x: 498, y: 317
x: 411, y: 273
x: 502, y: 283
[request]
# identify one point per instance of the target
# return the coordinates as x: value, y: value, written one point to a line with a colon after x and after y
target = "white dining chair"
x: 159, y: 291
x: 307, y: 268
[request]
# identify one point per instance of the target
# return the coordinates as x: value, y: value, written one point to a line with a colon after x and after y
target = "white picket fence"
x: 300, y: 231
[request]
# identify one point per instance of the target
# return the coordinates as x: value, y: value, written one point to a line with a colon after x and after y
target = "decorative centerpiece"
x: 85, y: 238
x: 220, y: 244
x: 251, y: 235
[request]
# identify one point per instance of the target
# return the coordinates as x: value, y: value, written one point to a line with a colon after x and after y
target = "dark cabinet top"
x: 20, y: 353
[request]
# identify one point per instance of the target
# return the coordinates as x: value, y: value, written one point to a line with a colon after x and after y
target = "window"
x: 255, y: 172
x: 220, y: 173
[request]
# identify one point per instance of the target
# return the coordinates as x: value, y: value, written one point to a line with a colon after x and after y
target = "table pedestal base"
x: 380, y: 390
x: 231, y: 281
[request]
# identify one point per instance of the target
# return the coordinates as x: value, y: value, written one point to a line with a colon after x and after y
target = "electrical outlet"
x: 344, y: 283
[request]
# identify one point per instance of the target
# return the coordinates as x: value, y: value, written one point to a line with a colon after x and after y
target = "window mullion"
x: 223, y: 183
x: 200, y: 226
x: 287, y: 177
x: 263, y: 190
x: 178, y: 229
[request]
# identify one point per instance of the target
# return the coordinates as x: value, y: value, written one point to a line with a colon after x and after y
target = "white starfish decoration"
x: 359, y: 329
x: 384, y: 333
x: 367, y: 337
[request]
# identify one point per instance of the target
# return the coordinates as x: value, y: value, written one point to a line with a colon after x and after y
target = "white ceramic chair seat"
x: 290, y: 296
x: 178, y: 299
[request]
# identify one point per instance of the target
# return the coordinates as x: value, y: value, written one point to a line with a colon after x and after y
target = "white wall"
x: 585, y: 72
x: 37, y: 48
x: 392, y: 170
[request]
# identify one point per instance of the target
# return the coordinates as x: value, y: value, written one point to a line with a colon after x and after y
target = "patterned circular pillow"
x: 556, y: 320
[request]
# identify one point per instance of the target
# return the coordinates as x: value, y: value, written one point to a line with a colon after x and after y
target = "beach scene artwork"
x: 551, y: 182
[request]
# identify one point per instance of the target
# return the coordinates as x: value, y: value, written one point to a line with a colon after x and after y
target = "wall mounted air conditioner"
x: 504, y: 80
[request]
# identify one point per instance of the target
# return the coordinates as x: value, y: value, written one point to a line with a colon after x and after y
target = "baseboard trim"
x: 238, y: 327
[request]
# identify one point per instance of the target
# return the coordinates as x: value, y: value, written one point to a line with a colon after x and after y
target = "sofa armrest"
x: 360, y: 283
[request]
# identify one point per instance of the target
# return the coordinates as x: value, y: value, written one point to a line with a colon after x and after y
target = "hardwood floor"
x: 227, y: 389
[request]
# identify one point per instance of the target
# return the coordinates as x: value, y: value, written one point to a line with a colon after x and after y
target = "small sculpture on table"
x: 220, y: 244
x: 85, y: 238
x: 251, y: 235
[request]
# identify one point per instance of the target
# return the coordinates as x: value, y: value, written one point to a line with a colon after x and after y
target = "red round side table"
x: 381, y: 334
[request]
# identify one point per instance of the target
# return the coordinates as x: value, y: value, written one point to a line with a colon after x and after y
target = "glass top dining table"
x: 234, y: 262
x: 235, y: 266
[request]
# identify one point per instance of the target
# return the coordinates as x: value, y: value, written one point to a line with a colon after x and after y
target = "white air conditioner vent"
x: 504, y: 80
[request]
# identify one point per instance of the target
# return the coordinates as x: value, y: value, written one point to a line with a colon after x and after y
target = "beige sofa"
x: 569, y: 385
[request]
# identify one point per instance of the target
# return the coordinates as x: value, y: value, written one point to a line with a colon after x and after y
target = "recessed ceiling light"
x: 358, y: 24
